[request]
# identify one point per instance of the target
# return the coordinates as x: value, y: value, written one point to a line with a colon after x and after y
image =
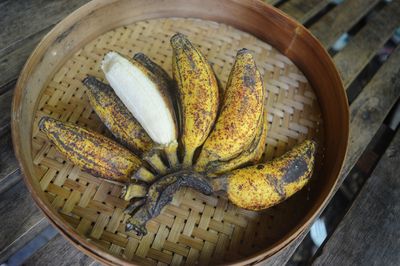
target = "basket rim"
x: 90, y: 249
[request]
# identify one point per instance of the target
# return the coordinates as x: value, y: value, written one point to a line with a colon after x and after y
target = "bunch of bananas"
x: 173, y: 133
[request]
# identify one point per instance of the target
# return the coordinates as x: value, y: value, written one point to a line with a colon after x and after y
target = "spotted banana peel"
x: 197, y: 92
x: 267, y: 184
x: 97, y: 154
x: 117, y: 118
x: 240, y: 117
x: 251, y: 155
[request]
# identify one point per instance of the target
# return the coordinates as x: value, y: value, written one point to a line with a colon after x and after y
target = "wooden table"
x: 368, y: 234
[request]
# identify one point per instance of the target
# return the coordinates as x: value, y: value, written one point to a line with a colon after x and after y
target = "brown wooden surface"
x: 24, y: 39
x: 369, y: 234
x: 65, y: 252
x: 339, y: 20
x: 302, y: 10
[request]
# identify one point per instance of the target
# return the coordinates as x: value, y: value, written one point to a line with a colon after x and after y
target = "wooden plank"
x: 9, y: 168
x: 340, y: 19
x: 302, y: 10
x: 59, y: 250
x: 20, y: 219
x: 5, y: 111
x: 13, y: 58
x: 367, y: 113
x: 366, y: 43
x: 369, y: 234
x: 24, y: 18
x: 272, y: 2
x: 27, y: 22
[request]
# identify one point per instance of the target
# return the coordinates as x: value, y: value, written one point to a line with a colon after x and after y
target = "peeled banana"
x: 146, y: 96
x: 240, y: 116
x: 198, y: 94
x: 264, y: 185
x: 116, y: 116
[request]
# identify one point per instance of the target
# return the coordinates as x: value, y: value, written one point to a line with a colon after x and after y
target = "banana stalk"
x: 255, y: 187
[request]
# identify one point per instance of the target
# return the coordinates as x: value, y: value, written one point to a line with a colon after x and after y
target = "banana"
x: 198, y: 94
x: 116, y: 116
x: 242, y: 109
x: 92, y: 152
x: 147, y: 97
x: 159, y: 72
x: 160, y: 194
x: 264, y: 185
x: 252, y: 155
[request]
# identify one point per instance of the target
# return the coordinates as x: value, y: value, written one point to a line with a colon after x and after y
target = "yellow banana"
x: 252, y: 155
x: 92, y: 152
x: 116, y: 116
x: 197, y: 92
x: 264, y: 185
x: 240, y: 114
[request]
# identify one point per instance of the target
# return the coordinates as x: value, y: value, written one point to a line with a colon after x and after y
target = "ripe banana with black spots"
x: 251, y: 155
x: 94, y: 153
x: 240, y: 115
x: 117, y: 118
x: 198, y: 94
x: 263, y: 185
x: 147, y: 97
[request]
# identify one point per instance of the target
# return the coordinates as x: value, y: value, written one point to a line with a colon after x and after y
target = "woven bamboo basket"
x: 305, y: 98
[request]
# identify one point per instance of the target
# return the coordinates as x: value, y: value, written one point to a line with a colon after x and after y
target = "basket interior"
x: 194, y: 228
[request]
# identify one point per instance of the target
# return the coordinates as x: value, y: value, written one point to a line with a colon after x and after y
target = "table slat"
x: 24, y: 18
x: 369, y: 234
x: 302, y: 10
x: 60, y: 250
x: 13, y: 59
x: 340, y: 19
x: 366, y: 43
x: 20, y: 219
x: 9, y: 168
x: 5, y: 111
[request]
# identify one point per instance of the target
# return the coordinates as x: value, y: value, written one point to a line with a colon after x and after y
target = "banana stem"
x: 188, y: 158
x: 153, y: 158
x: 144, y: 175
x: 172, y: 155
x: 134, y: 191
x: 220, y: 184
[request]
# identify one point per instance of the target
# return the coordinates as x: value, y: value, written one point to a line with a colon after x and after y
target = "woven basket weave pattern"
x: 194, y: 227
